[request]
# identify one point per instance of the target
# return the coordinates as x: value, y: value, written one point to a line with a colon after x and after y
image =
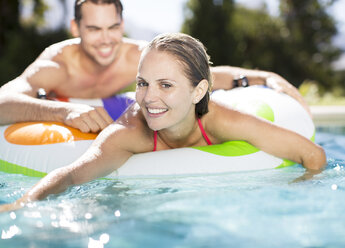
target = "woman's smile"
x: 156, y: 111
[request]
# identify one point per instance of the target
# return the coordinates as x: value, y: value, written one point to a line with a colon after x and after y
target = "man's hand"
x: 87, y: 118
x: 279, y: 84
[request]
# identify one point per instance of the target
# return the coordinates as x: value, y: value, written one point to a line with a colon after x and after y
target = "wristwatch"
x: 41, y: 94
x: 241, y: 81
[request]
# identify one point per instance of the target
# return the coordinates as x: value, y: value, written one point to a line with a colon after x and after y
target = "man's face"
x: 101, y: 32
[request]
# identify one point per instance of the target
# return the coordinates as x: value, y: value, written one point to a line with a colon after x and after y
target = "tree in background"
x: 20, y: 40
x: 209, y: 22
x: 311, y: 30
x: 296, y: 45
x: 259, y: 39
x: 9, y: 15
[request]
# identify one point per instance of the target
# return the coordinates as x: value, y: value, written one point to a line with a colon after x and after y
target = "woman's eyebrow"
x: 166, y: 80
x: 140, y: 78
x: 157, y: 80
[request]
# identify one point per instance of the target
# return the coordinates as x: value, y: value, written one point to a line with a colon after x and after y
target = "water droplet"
x: 104, y: 238
x: 117, y: 213
x: 88, y: 216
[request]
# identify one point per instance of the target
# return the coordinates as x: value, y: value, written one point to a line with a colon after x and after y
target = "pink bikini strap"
x: 155, y: 140
x: 201, y: 129
x: 204, y: 133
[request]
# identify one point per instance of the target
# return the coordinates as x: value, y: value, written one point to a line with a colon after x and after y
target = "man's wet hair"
x: 79, y: 3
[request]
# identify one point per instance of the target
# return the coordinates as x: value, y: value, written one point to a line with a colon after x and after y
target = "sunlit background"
x: 146, y: 18
x: 308, y: 54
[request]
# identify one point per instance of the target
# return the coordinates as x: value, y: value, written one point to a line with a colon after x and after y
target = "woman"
x: 173, y: 110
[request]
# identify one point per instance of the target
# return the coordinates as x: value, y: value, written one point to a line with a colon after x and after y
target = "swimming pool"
x: 245, y: 209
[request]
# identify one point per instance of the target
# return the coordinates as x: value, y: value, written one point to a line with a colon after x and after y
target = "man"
x: 98, y: 64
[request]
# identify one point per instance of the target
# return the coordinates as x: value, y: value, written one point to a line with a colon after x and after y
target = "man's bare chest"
x: 95, y: 86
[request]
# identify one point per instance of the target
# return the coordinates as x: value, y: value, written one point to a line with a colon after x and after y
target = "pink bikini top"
x: 201, y: 129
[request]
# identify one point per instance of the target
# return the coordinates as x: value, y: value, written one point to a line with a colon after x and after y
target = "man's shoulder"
x: 132, y: 50
x: 68, y: 42
x: 54, y: 60
x: 138, y: 44
x: 59, y: 48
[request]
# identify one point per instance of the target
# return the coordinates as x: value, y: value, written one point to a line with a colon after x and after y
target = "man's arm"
x: 18, y: 100
x: 223, y: 77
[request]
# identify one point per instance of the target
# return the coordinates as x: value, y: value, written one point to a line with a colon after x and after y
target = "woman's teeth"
x: 156, y: 111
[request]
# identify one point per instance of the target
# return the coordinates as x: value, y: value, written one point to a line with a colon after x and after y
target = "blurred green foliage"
x: 21, y: 41
x: 297, y: 44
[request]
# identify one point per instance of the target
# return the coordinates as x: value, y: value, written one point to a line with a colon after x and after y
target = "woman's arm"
x: 111, y: 149
x: 55, y: 182
x: 268, y: 137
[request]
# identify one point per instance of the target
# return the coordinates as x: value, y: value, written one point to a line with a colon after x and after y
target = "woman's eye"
x: 166, y: 85
x: 142, y: 84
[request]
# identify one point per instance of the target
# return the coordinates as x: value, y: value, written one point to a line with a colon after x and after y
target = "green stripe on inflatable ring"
x: 313, y: 138
x: 237, y: 147
x: 285, y: 163
x: 230, y: 148
x: 257, y: 108
x: 17, y: 169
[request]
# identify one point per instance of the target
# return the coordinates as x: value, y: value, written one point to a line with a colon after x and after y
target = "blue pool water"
x: 249, y: 209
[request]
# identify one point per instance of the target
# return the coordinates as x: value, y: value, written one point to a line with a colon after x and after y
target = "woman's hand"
x: 11, y: 206
x: 308, y: 174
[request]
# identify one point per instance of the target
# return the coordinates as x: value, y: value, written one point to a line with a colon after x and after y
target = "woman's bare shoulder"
x: 129, y: 132
x: 221, y: 113
x: 224, y: 122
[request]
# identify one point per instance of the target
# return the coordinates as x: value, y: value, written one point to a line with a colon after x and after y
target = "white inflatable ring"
x: 35, y: 149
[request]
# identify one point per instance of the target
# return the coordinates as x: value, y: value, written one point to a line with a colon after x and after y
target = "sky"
x: 167, y: 15
x: 146, y: 18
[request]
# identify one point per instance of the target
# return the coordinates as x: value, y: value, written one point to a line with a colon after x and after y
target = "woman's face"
x: 164, y: 93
